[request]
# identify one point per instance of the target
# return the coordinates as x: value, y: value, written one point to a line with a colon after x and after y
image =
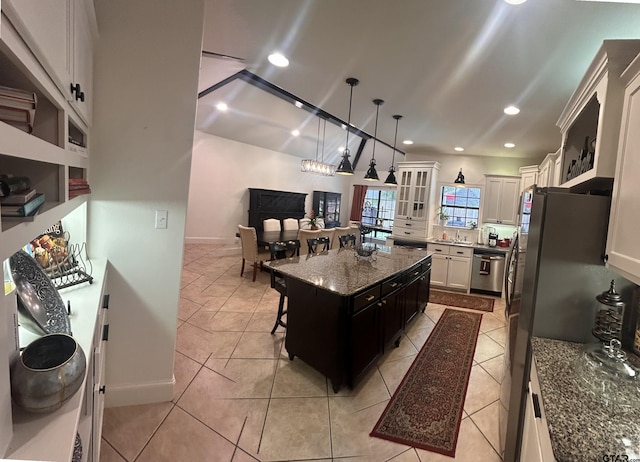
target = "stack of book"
x: 77, y: 187
x: 21, y: 204
x: 18, y: 107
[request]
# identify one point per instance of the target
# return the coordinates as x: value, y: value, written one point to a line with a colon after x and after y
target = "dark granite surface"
x: 584, y: 426
x: 342, y: 272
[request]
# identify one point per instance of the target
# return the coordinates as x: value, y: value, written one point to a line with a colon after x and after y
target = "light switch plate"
x: 161, y: 219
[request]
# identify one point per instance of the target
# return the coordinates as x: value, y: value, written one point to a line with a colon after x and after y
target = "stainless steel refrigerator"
x: 554, y: 272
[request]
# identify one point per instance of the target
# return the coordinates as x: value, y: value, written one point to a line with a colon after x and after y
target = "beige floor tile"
x: 220, y: 321
x: 487, y: 421
x: 406, y: 348
x: 370, y: 391
x: 241, y: 456
x: 263, y: 321
x: 214, y: 303
x: 187, y: 308
x: 198, y: 344
x: 350, y: 432
x: 129, y: 428
x: 487, y: 348
x: 410, y: 455
x: 495, y: 367
x: 187, y: 277
x: 108, y: 453
x: 499, y: 335
x: 184, y: 370
x: 259, y: 345
x: 296, y: 428
x: 434, y: 311
x: 471, y: 446
x: 490, y: 323
x: 394, y: 371
x: 420, y: 335
x: 195, y: 294
x: 238, y: 378
x: 219, y: 290
x: 181, y: 437
x: 296, y: 379
x: 481, y: 391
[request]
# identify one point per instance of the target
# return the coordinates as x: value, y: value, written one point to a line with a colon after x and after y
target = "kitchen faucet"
x: 457, y: 235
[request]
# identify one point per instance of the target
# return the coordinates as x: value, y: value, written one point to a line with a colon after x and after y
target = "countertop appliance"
x: 487, y: 271
x: 493, y: 237
x: 553, y: 268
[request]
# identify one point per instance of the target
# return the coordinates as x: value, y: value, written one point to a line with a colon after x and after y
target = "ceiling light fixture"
x: 313, y: 166
x: 515, y: 2
x: 391, y: 178
x: 372, y: 174
x: 222, y: 106
x: 460, y: 178
x: 407, y: 142
x: 278, y: 59
x: 295, y: 132
x: 509, y: 145
x: 458, y: 148
x: 345, y: 168
x: 511, y: 110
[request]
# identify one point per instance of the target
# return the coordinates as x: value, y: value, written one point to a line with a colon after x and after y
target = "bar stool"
x: 280, y: 250
x: 318, y: 244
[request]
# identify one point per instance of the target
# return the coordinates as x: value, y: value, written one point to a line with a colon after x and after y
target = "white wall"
x: 222, y: 170
x: 146, y: 79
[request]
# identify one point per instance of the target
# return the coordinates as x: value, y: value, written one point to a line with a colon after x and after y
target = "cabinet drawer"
x: 391, y: 285
x: 401, y: 231
x: 411, y: 224
x: 438, y: 248
x: 413, y: 272
x: 460, y: 251
x: 366, y: 298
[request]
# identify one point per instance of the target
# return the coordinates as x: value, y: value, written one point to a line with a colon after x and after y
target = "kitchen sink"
x: 453, y: 242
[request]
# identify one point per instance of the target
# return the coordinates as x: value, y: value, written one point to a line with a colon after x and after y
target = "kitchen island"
x: 344, y: 311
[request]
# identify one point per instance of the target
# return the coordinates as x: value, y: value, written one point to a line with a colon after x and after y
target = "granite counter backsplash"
x: 582, y: 426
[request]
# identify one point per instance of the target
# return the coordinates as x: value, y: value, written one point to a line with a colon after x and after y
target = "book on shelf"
x: 78, y: 192
x: 19, y: 197
x: 18, y: 107
x: 24, y: 210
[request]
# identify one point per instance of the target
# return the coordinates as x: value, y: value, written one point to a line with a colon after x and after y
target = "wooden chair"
x: 250, y: 250
x: 347, y: 241
x: 304, y: 235
x: 271, y: 224
x: 340, y: 232
x: 290, y: 223
x: 318, y: 244
x: 281, y: 250
x: 330, y: 233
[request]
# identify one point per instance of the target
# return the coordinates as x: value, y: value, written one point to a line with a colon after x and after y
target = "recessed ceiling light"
x: 341, y: 149
x: 511, y: 110
x: 295, y: 132
x: 298, y: 104
x: 222, y: 106
x: 458, y: 148
x: 278, y: 59
x: 407, y: 142
x: 509, y: 145
x: 515, y: 2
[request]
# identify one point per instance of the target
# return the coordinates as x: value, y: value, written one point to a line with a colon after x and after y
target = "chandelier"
x: 315, y: 166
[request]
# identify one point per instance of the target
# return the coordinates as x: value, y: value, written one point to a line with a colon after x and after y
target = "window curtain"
x: 359, y: 192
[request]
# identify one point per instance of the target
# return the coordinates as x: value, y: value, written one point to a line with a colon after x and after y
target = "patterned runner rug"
x: 474, y: 302
x: 426, y: 409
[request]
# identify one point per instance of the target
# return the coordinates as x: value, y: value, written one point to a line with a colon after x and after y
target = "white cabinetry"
x: 451, y: 266
x: 536, y: 442
x: 416, y: 196
x: 59, y: 34
x: 528, y: 176
x: 623, y: 251
x: 35, y: 48
x: 590, y: 122
x: 501, y: 195
x: 547, y: 170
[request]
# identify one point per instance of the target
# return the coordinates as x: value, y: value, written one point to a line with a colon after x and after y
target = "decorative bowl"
x: 49, y: 371
x: 365, y: 251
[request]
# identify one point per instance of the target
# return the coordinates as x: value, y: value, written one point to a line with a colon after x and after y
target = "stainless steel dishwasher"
x: 487, y: 271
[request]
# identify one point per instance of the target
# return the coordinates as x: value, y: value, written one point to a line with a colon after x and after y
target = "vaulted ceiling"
x: 449, y: 67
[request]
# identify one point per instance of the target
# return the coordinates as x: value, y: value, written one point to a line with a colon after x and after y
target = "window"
x: 379, y: 208
x: 461, y: 204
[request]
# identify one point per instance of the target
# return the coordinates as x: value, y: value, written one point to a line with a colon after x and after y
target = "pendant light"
x: 460, y: 178
x: 313, y: 166
x: 345, y: 167
x: 372, y: 175
x: 391, y: 178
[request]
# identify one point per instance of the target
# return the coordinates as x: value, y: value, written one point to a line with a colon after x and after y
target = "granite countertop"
x: 581, y: 425
x: 340, y: 271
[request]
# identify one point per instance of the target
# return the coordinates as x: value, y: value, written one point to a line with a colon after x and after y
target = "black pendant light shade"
x: 391, y: 178
x: 345, y: 168
x: 460, y: 178
x: 372, y: 174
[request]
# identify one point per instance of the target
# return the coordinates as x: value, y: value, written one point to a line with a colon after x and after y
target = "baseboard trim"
x: 130, y: 394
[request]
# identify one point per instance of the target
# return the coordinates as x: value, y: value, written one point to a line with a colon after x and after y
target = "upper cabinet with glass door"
x: 416, y: 197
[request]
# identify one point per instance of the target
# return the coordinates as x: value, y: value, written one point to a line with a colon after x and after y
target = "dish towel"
x: 485, y: 265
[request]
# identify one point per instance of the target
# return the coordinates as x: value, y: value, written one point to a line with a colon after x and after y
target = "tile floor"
x: 239, y: 398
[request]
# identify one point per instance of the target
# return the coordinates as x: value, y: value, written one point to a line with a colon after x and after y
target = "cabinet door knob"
x: 78, y: 92
x: 102, y: 389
